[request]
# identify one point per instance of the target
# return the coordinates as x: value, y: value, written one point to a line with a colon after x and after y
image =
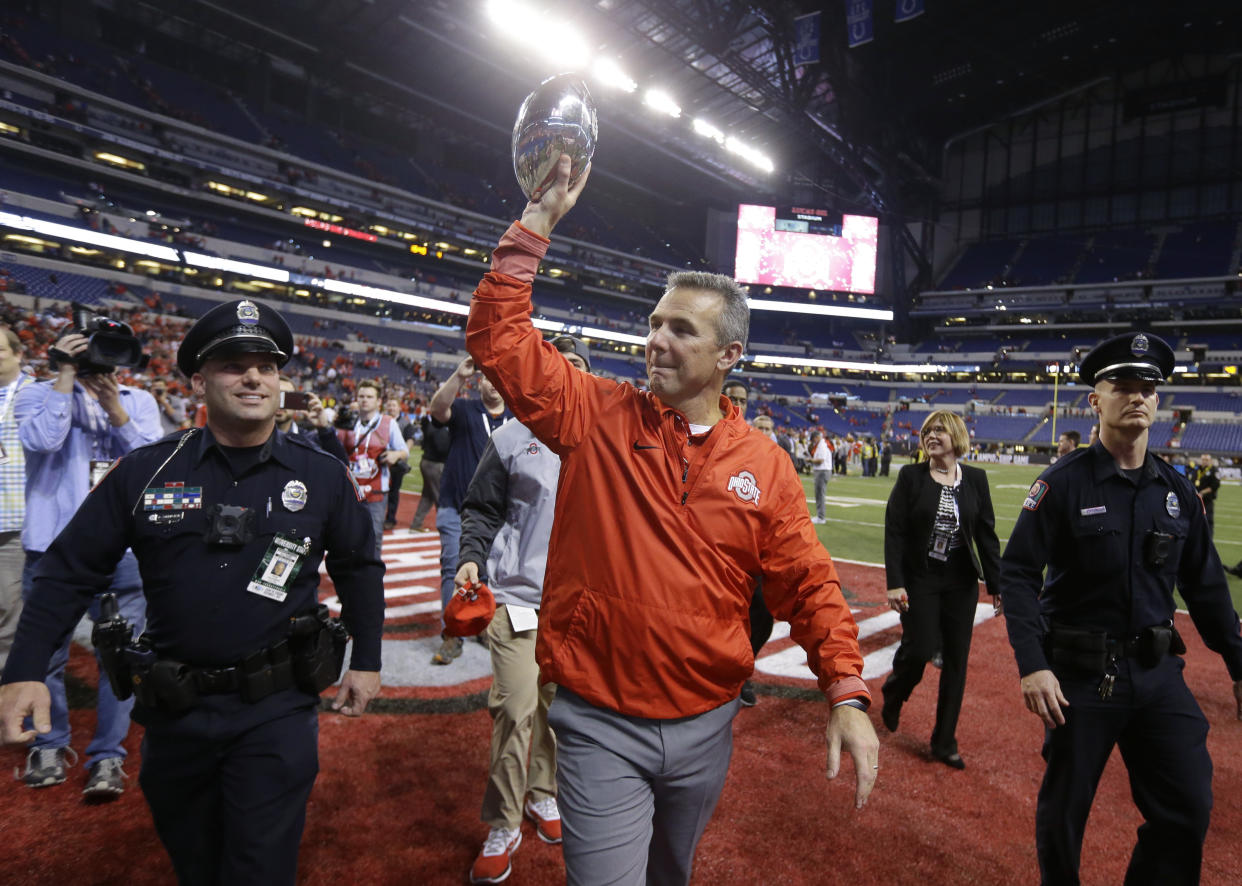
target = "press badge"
x: 939, y: 547
x: 280, y: 565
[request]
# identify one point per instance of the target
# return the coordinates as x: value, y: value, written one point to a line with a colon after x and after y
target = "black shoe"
x: 747, y: 696
x: 1235, y: 570
x: 390, y: 524
x: 891, y: 714
x: 953, y: 760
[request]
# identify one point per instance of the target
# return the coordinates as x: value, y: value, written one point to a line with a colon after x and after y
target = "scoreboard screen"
x: 806, y: 220
x: 781, y: 248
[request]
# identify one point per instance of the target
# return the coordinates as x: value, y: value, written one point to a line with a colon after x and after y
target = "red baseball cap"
x: 470, y: 611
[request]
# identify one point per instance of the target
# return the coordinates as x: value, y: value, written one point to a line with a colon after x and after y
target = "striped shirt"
x: 13, y: 463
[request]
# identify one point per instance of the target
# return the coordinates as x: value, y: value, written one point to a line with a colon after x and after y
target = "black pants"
x: 431, y: 472
x: 396, y: 473
x: 227, y: 784
x: 941, y: 617
x: 1162, y: 735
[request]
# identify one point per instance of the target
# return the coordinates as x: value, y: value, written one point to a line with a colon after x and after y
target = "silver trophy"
x: 557, y: 118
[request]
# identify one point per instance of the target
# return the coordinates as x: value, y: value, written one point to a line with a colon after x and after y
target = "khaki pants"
x: 519, y: 709
x: 12, y: 559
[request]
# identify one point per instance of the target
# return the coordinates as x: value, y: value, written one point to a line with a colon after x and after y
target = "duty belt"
x: 309, y: 658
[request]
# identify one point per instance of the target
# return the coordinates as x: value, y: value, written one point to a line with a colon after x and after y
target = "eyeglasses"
x: 935, y: 429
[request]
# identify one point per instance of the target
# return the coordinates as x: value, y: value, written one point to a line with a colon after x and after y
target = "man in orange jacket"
x: 670, y: 508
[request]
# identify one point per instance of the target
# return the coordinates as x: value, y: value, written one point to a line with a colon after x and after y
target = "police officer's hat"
x: 1138, y: 355
x: 244, y: 325
x: 571, y: 344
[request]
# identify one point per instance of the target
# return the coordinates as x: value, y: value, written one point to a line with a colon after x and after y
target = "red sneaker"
x: 494, y: 863
x: 547, y: 818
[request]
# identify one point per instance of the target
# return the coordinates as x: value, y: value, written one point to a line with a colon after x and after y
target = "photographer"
x: 171, y: 406
x: 374, y: 444
x: 318, y: 429
x: 72, y: 430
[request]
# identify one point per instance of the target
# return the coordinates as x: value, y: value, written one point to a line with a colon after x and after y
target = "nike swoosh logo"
x: 638, y: 446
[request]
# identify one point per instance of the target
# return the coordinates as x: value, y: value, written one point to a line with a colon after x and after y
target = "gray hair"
x: 734, y: 322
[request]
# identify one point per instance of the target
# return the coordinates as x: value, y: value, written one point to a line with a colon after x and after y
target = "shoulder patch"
x: 1036, y: 494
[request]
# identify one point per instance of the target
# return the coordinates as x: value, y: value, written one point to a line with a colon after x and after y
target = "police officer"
x: 1094, y: 639
x: 229, y: 524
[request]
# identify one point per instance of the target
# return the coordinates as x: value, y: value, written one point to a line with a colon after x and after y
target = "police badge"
x: 247, y: 313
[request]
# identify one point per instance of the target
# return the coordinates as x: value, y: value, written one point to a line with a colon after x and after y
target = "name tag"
x: 99, y: 467
x: 280, y: 565
x: 1091, y: 512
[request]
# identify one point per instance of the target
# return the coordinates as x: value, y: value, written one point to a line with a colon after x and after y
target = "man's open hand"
x: 850, y: 730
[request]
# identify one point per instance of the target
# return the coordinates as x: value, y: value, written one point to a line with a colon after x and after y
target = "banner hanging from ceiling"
x: 859, y: 22
x: 908, y: 9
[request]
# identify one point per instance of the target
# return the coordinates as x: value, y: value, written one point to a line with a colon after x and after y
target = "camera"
x: 346, y: 418
x: 230, y: 525
x: 109, y: 344
x: 294, y: 400
x: 1157, y: 548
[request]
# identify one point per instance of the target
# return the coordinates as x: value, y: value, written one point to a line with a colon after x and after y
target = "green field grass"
x: 855, y: 527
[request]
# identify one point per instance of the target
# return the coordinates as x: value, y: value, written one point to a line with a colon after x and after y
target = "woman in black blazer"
x: 939, y: 543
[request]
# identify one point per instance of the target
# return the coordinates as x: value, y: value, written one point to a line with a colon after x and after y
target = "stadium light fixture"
x: 557, y: 41
x: 609, y: 73
x: 561, y: 43
x: 58, y: 231
x: 764, y: 304
x: 751, y: 155
x: 391, y: 295
x: 661, y: 101
x: 702, y: 127
x: 510, y: 17
x: 243, y: 268
x: 882, y: 368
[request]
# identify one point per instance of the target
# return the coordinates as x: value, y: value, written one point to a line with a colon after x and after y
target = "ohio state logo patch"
x: 742, y: 484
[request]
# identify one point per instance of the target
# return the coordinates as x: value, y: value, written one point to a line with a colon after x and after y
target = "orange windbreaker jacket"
x: 657, y: 542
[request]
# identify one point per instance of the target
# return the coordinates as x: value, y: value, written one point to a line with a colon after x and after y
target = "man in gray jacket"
x: 508, y: 512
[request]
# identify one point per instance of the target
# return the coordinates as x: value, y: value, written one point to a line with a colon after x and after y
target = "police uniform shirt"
x: 199, y: 608
x: 1088, y: 521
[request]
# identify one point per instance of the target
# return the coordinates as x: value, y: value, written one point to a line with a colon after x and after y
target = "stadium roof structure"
x: 862, y: 129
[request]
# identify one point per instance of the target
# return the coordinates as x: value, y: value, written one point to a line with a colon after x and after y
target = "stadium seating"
x: 1200, y: 436
x: 1024, y: 397
x: 1214, y: 402
x: 1002, y: 428
x: 1046, y: 260
x: 1201, y: 249
x: 981, y: 263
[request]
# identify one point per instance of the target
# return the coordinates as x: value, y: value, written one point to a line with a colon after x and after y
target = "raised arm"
x: 441, y: 405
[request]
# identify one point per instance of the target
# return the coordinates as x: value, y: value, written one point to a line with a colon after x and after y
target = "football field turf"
x: 855, y: 527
